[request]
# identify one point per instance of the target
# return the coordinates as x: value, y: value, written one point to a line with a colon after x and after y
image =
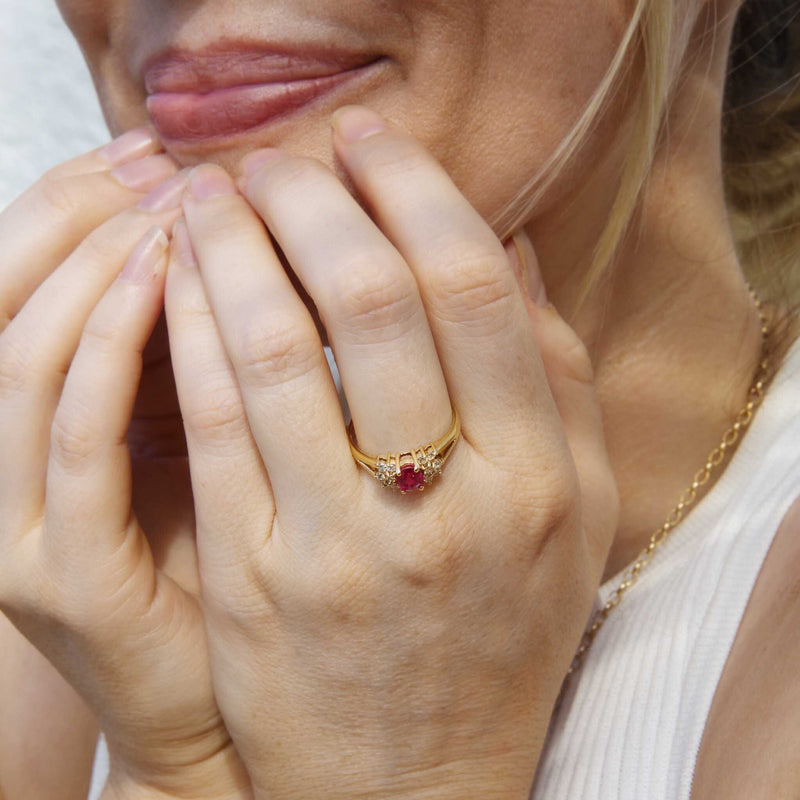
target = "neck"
x: 674, y: 335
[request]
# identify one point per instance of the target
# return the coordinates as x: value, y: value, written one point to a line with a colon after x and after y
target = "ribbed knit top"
x: 630, y: 724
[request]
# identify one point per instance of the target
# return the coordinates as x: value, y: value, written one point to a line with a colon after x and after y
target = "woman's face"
x: 490, y: 86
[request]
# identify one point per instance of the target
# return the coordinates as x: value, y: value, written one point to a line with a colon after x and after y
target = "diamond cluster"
x: 410, y: 477
x: 386, y: 473
x: 431, y: 464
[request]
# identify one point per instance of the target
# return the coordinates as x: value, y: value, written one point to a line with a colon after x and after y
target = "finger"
x: 88, y: 484
x: 271, y: 340
x: 525, y: 264
x: 366, y: 296
x: 37, y: 347
x: 231, y: 490
x: 571, y: 381
x: 101, y: 611
x: 476, y: 312
x: 42, y: 226
x: 126, y: 148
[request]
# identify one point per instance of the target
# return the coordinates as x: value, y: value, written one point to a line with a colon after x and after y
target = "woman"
x: 353, y: 639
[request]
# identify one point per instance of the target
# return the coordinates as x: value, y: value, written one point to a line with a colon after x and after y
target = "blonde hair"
x: 761, y: 147
x: 762, y: 171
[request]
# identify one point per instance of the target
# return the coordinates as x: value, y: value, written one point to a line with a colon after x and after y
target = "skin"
x: 657, y: 307
x: 533, y: 79
x: 544, y: 86
x: 131, y: 634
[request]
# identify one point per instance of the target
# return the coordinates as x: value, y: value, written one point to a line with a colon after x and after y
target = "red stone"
x: 408, y: 480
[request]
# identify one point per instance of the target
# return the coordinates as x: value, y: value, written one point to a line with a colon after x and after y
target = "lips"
x: 223, y: 91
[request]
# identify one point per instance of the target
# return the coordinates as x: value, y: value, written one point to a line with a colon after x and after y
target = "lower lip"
x: 188, y: 116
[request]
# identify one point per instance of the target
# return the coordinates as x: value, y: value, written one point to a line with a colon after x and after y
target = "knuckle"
x: 345, y: 589
x: 554, y: 511
x: 223, y: 222
x: 436, y: 557
x: 367, y: 300
x: 245, y: 611
x: 578, y: 363
x: 100, y: 334
x: 537, y: 512
x: 187, y: 303
x: 57, y: 195
x: 216, y: 416
x: 73, y: 440
x: 395, y: 158
x: 99, y: 249
x: 473, y: 287
x: 275, y: 350
x: 558, y: 511
x: 295, y: 174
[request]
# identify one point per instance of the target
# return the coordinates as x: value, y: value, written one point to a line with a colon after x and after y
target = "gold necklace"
x: 754, y: 397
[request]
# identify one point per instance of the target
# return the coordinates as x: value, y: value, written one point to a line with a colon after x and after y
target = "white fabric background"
x: 48, y: 108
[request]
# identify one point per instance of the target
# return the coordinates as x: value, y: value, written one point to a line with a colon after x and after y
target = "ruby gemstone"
x: 408, y: 480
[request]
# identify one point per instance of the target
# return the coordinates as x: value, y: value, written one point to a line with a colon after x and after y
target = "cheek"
x: 538, y: 77
x: 88, y: 21
x: 492, y: 87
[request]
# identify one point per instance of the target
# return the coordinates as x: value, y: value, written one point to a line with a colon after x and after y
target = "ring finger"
x: 367, y: 298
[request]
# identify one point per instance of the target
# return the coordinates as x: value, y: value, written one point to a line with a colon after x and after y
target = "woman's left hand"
x: 366, y: 643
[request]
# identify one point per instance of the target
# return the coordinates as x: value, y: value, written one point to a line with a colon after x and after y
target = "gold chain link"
x: 701, y: 478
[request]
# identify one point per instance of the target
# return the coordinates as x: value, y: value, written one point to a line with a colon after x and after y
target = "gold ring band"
x: 414, y: 469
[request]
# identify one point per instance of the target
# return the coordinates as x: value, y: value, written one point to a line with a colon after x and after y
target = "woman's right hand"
x: 81, y: 287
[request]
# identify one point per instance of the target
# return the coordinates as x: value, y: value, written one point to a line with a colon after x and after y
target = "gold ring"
x: 414, y: 469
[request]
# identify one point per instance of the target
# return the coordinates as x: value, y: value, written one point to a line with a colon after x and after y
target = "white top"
x: 630, y: 724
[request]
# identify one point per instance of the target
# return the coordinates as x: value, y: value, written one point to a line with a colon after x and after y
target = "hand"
x: 365, y: 643
x: 81, y: 287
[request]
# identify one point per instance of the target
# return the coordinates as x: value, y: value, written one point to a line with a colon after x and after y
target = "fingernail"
x: 255, y: 160
x: 145, y: 173
x: 532, y: 276
x: 145, y: 256
x: 352, y: 123
x: 129, y: 146
x: 183, y: 244
x: 166, y: 195
x: 517, y: 261
x: 209, y: 180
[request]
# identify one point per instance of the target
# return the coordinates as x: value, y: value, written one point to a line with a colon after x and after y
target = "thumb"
x: 571, y: 378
